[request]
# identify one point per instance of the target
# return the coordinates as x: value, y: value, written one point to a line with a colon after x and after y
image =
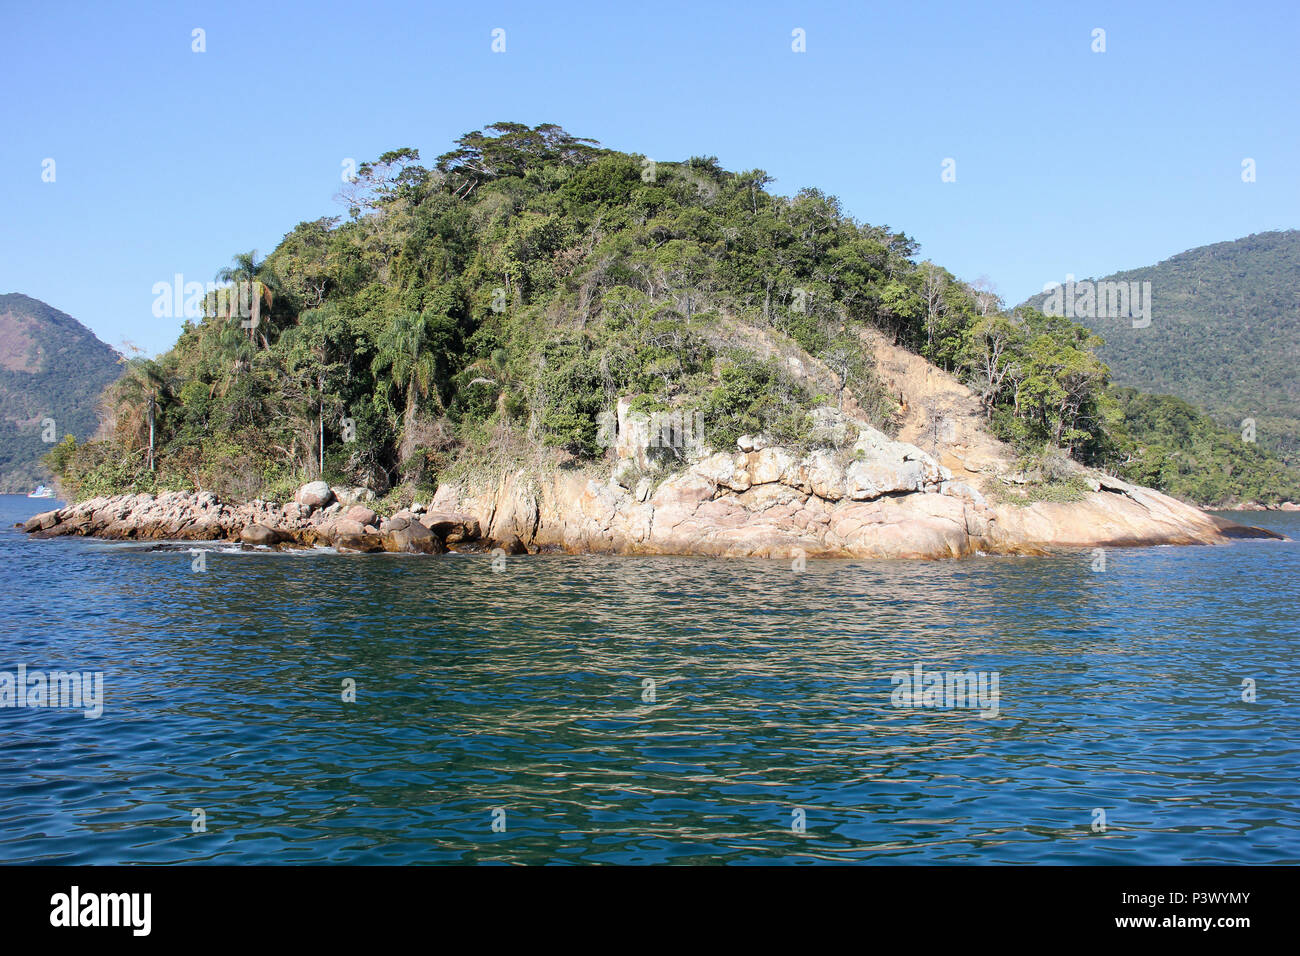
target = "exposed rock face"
x: 359, y: 542
x: 511, y: 546
x: 42, y: 521
x: 633, y: 435
x: 361, y: 514
x: 199, y: 517
x: 451, y: 527
x: 413, y: 538
x: 397, y: 522
x: 346, y: 496
x: 878, y: 499
x: 315, y: 494
x: 259, y: 534
x: 341, y: 526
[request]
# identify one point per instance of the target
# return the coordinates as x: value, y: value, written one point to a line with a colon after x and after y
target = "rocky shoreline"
x: 320, y: 516
x: 1257, y: 506
x: 878, y: 498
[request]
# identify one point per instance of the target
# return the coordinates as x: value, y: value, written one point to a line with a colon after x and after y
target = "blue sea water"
x: 649, y: 710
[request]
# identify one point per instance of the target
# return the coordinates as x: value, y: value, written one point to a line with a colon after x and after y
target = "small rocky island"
x: 465, y: 357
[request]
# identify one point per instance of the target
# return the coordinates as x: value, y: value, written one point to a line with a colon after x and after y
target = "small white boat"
x: 41, y: 492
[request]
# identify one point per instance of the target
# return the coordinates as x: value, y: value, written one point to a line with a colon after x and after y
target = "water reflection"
x: 524, y: 690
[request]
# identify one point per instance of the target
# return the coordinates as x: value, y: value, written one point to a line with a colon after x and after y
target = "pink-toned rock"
x: 683, y: 491
x: 315, y: 494
x: 361, y: 514
x: 725, y: 470
x: 259, y: 534
x: 824, y: 476
x: 768, y: 465
x: 42, y: 521
x: 343, y: 526
x: 451, y: 527
x: 358, y: 543
x: 511, y: 545
x: 415, y: 538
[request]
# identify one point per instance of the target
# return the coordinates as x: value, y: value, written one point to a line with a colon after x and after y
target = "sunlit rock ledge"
x: 875, y: 498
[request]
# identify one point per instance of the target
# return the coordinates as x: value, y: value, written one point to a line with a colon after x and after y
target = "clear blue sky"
x: 1067, y: 160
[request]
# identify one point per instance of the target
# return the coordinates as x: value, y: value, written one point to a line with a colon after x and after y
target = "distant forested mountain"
x: 1176, y: 447
x: 51, y: 367
x: 1224, y: 334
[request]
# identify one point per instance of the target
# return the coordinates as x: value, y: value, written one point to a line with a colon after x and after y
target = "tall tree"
x: 404, y: 354
x: 135, y: 399
x: 252, y: 288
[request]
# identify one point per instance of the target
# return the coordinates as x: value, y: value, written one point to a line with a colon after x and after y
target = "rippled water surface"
x: 526, y: 690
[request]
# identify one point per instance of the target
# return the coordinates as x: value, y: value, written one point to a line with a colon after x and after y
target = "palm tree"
x: 246, y: 272
x: 243, y: 266
x: 402, y: 350
x: 142, y: 384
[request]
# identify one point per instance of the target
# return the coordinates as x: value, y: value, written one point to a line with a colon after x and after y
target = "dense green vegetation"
x: 1171, y: 445
x: 1224, y: 335
x: 51, y: 367
x: 499, y: 301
